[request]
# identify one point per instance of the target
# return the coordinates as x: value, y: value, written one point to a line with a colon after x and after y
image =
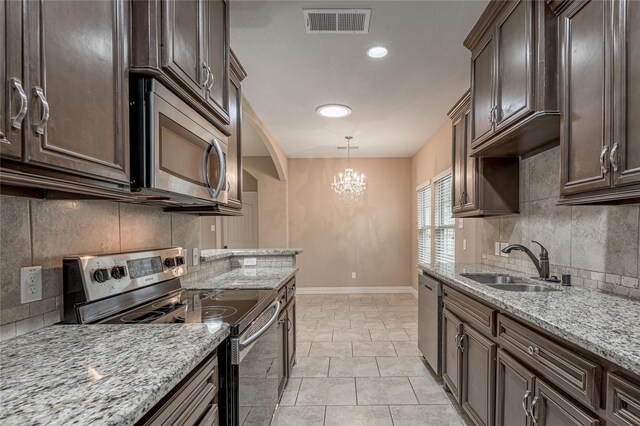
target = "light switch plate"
x: 353, y: 275
x: 497, y: 249
x: 196, y: 257
x: 30, y: 284
x: 503, y: 245
x: 461, y: 223
x: 213, y: 228
x: 250, y: 261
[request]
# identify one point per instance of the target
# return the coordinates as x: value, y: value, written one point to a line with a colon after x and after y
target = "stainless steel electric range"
x: 143, y: 287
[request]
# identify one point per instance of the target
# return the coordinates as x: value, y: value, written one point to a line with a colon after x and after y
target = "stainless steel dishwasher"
x: 430, y: 321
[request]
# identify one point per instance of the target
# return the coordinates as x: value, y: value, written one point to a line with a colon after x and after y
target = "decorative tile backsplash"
x: 597, y: 245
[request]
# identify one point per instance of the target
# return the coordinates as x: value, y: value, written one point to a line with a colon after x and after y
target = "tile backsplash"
x: 41, y: 232
x: 597, y: 245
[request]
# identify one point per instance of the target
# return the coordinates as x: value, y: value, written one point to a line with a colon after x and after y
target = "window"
x: 424, y: 224
x: 445, y: 232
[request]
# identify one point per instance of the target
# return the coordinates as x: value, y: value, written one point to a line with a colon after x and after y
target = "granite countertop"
x: 97, y: 374
x: 254, y: 278
x: 602, y: 323
x: 215, y: 254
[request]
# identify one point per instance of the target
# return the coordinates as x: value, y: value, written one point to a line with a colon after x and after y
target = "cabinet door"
x: 291, y: 333
x: 282, y: 352
x: 514, y: 56
x: 585, y: 84
x: 625, y: 151
x: 234, y: 155
x: 551, y: 408
x: 77, y: 87
x: 182, y: 43
x: 478, y: 376
x: 459, y: 163
x: 470, y: 199
x: 452, y: 359
x: 217, y: 51
x: 482, y: 89
x: 13, y: 106
x: 514, y: 391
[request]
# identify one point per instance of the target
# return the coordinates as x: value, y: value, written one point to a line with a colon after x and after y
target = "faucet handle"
x: 544, y: 254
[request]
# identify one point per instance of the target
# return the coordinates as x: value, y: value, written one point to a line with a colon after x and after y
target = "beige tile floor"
x: 359, y: 364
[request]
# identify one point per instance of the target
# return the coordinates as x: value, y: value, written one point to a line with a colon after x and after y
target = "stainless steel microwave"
x: 177, y: 155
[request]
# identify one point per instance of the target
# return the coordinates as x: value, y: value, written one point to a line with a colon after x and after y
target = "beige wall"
x: 370, y: 236
x: 432, y: 159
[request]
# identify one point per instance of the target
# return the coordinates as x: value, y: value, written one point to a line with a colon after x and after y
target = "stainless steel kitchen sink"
x: 522, y: 287
x: 493, y: 278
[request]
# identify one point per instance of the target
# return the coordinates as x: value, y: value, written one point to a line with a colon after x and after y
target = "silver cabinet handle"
x: 205, y: 67
x: 604, y: 165
x: 221, y: 168
x: 40, y: 125
x: 525, y: 400
x: 211, y: 78
x: 16, y: 122
x: 613, y: 157
x: 455, y: 339
x: 532, y: 411
x: 461, y: 342
x: 533, y: 350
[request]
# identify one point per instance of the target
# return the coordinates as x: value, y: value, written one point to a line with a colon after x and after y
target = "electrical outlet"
x: 196, y: 257
x: 497, y: 249
x: 503, y: 245
x: 30, y: 284
x: 464, y: 244
x: 250, y: 261
x: 213, y: 228
x: 461, y: 223
x: 353, y: 275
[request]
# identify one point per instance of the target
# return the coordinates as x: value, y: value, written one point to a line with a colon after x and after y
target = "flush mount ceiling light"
x: 377, y: 52
x: 333, y: 110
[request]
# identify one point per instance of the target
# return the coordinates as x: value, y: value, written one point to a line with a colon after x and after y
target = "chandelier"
x: 349, y: 185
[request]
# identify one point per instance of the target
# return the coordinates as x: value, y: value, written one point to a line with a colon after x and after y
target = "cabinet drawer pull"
x: 604, y: 165
x: 525, y: 400
x: 613, y: 157
x: 16, y: 122
x: 532, y: 411
x: 533, y: 350
x: 40, y: 125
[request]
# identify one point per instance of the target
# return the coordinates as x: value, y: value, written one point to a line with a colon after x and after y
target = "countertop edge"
x: 217, y: 254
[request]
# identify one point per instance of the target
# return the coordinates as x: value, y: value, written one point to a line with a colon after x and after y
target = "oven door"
x: 188, y: 153
x: 255, y: 352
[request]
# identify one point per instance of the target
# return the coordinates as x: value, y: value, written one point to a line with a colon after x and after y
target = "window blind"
x: 444, y: 224
x: 424, y: 225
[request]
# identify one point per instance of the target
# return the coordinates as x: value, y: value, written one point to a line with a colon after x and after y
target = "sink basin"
x: 522, y: 287
x: 493, y: 279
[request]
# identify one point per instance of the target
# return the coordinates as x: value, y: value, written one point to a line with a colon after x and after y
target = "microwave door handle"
x: 205, y: 169
x: 221, y: 168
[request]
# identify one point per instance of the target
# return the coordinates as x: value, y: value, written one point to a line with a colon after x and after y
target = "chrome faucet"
x: 541, y: 265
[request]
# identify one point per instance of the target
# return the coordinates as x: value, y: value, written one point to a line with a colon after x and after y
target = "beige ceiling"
x: 398, y: 102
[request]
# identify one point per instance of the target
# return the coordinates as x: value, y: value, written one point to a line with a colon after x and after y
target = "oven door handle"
x: 255, y: 336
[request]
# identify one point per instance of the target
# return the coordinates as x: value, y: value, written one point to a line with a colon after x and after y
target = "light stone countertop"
x: 210, y: 255
x: 97, y: 374
x: 602, y: 323
x: 240, y: 278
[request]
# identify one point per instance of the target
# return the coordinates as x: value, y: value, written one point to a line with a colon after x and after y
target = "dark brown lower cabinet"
x: 452, y: 359
x: 551, y: 408
x: 478, y: 376
x: 514, y: 384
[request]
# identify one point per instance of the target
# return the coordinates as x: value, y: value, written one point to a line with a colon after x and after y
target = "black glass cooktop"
x: 235, y: 307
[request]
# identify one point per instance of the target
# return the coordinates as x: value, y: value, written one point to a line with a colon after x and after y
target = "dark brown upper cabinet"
x: 65, y: 119
x: 234, y: 155
x: 599, y: 96
x: 185, y: 45
x: 514, y: 109
x: 481, y: 186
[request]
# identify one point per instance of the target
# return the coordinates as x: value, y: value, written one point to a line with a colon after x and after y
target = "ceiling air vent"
x: 346, y: 21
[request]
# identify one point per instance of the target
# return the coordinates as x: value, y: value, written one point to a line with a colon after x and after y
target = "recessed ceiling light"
x: 333, y: 110
x: 377, y: 52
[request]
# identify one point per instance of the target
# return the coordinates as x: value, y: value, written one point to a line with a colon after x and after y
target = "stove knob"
x: 118, y: 272
x: 179, y: 260
x: 170, y: 262
x: 101, y: 275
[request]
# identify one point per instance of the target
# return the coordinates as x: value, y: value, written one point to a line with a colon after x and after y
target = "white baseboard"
x: 406, y: 289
